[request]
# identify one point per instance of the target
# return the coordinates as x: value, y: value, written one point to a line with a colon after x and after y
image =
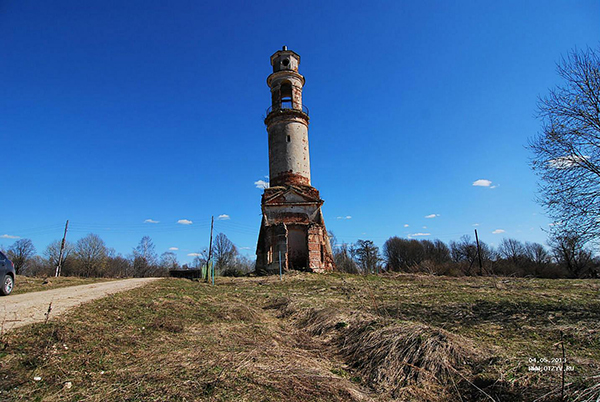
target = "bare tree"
x: 567, y: 151
x: 512, y: 250
x: 436, y: 251
x: 118, y: 266
x: 537, y: 254
x: 570, y: 252
x: 52, y: 254
x: 332, y: 239
x: 168, y: 260
x: 224, y: 252
x: 91, y: 254
x: 401, y: 253
x: 20, y: 253
x: 464, y: 252
x: 342, y: 257
x: 145, y: 259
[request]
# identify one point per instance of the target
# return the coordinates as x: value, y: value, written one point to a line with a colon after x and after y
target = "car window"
x: 2, y: 256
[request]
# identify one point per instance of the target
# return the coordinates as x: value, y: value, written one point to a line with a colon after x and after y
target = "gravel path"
x: 27, y: 308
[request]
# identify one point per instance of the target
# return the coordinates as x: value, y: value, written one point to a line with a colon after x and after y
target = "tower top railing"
x: 286, y: 106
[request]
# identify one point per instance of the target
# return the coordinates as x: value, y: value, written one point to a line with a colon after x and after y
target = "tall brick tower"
x: 292, y: 222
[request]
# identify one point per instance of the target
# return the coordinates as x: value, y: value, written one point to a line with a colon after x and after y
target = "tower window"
x: 286, y: 95
x: 289, y: 138
x: 285, y: 62
x: 286, y: 90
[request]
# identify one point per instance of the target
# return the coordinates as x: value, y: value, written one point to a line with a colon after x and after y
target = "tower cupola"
x: 286, y: 83
x: 285, y: 59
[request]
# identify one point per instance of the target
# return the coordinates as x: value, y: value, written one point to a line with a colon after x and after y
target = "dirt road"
x: 27, y: 308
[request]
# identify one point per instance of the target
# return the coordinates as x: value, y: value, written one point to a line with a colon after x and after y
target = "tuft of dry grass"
x: 590, y: 394
x: 397, y: 356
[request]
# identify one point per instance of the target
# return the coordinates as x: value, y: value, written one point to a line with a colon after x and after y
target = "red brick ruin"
x: 292, y: 232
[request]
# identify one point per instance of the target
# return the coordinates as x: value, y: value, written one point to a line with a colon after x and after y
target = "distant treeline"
x: 567, y: 257
x: 90, y: 257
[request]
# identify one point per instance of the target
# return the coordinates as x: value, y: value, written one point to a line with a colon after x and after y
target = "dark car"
x: 7, y: 273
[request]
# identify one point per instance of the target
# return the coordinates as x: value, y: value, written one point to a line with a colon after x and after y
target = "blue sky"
x: 114, y: 113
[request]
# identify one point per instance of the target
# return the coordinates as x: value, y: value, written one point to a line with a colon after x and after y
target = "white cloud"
x: 482, y: 183
x: 151, y: 221
x: 194, y: 255
x: 261, y: 184
x: 6, y: 236
x: 555, y: 224
x: 476, y: 224
x: 244, y: 248
x: 424, y: 227
x: 432, y: 216
x: 344, y: 217
x: 223, y: 217
x: 569, y: 161
x: 406, y: 225
x: 173, y: 248
x: 498, y: 231
x: 184, y: 222
x: 418, y: 234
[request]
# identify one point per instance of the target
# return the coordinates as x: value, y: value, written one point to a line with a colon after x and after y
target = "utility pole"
x: 62, y: 249
x: 479, y: 253
x: 212, y: 221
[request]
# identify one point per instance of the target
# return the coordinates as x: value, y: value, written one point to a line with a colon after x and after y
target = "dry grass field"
x: 316, y: 338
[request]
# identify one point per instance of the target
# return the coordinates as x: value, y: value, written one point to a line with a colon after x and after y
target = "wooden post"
x: 280, y: 270
x: 212, y: 221
x: 62, y: 249
x: 479, y: 254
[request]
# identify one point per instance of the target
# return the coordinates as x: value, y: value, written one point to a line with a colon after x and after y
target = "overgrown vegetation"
x: 314, y: 337
x: 567, y: 258
x: 90, y: 257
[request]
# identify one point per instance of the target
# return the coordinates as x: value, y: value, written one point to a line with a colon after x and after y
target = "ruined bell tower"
x: 292, y: 222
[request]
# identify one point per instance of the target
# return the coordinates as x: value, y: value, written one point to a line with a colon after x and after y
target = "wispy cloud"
x: 498, y: 231
x: 151, y: 221
x: 184, y: 222
x: 194, y: 255
x: 431, y: 216
x: 6, y: 236
x: 424, y: 227
x: 555, y: 224
x: 262, y: 184
x: 245, y: 248
x: 406, y: 225
x: 410, y: 236
x: 569, y: 161
x: 344, y: 217
x: 482, y: 183
x: 173, y: 248
x: 223, y: 217
x: 476, y: 224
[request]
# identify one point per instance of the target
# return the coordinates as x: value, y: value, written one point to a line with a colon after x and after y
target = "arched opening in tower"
x: 286, y: 95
